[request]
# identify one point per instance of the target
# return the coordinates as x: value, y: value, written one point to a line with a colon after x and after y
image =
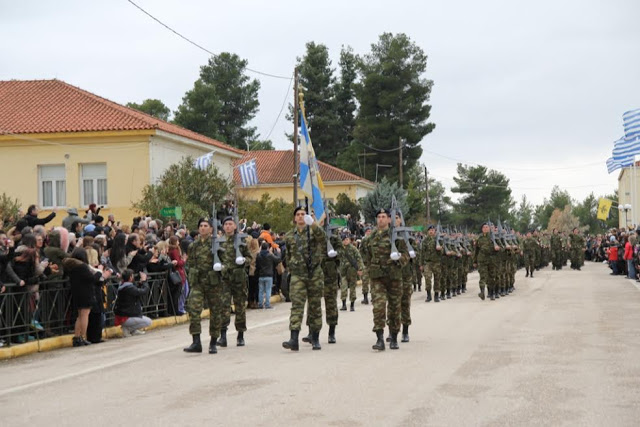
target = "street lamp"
x: 626, y: 208
x: 382, y: 166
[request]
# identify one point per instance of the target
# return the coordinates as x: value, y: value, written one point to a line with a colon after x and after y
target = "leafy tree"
x: 484, y: 194
x: 182, y: 184
x: 277, y: 213
x: 345, y: 206
x: 612, y: 221
x: 557, y: 200
x: 345, y: 100
x: 152, y: 107
x: 380, y: 198
x: 222, y: 102
x: 523, y: 215
x: 315, y: 75
x: 563, y: 220
x: 439, y: 202
x: 393, y: 95
x: 586, y: 213
x: 9, y: 211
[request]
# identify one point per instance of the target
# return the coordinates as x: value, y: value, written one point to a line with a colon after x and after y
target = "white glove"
x: 332, y: 253
x: 308, y: 219
x: 240, y: 260
x: 395, y: 256
x: 412, y: 254
x: 217, y: 266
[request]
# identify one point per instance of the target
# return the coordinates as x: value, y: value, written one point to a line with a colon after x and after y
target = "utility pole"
x: 295, y: 137
x: 400, y: 160
x: 426, y: 182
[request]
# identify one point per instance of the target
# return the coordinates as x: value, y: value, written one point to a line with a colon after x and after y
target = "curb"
x: 63, y: 341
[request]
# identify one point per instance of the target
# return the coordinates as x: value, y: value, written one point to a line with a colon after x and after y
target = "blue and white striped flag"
x: 203, y: 161
x: 310, y: 180
x: 624, y: 152
x: 612, y: 165
x: 631, y: 124
x: 248, y: 173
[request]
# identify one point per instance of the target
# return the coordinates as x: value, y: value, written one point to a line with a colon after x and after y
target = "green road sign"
x: 172, y: 212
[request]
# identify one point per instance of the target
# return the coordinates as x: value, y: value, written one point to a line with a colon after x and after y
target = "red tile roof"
x: 276, y: 167
x: 47, y: 106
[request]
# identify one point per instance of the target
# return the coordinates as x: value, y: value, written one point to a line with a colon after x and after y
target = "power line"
x: 275, y: 76
x: 281, y: 110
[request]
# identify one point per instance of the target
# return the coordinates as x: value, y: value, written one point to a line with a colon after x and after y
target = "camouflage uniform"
x: 306, y: 250
x: 485, y: 257
x: 366, y: 281
x: 577, y: 250
x: 407, y: 291
x: 556, y: 251
x: 234, y: 284
x: 386, y: 278
x: 530, y: 249
x: 206, y: 285
x: 330, y: 288
x: 430, y: 259
x: 350, y: 264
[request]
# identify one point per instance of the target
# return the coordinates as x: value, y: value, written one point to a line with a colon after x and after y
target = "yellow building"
x: 629, y: 196
x: 275, y: 176
x: 63, y: 147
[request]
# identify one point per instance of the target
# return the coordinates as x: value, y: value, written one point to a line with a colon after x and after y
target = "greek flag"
x: 631, y: 124
x: 310, y: 181
x: 204, y: 161
x: 624, y: 152
x: 248, y: 173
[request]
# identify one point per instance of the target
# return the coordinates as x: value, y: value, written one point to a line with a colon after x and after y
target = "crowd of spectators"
x: 619, y: 249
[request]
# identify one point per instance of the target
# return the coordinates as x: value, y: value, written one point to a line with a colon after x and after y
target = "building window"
x: 93, y: 184
x: 52, y: 186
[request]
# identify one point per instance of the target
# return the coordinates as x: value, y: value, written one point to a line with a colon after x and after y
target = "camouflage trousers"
x: 445, y: 278
x: 365, y: 282
x: 432, y: 269
x: 405, y: 302
x: 305, y: 288
x: 452, y: 283
x: 529, y: 260
x: 386, y: 294
x: 209, y: 289
x: 502, y: 272
x: 235, y: 286
x: 577, y: 257
x: 557, y: 257
x: 330, y: 294
x: 488, y: 275
x: 348, y: 284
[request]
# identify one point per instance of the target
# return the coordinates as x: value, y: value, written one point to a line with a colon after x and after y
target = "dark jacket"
x: 54, y: 253
x: 18, y: 270
x: 33, y: 220
x: 266, y: 263
x: 140, y: 260
x: 158, y: 267
x: 86, y: 285
x: 128, y: 303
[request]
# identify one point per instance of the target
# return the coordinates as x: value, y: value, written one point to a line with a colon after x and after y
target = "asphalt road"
x: 564, y: 349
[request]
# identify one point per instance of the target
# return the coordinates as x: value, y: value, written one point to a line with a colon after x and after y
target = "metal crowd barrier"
x: 29, y: 314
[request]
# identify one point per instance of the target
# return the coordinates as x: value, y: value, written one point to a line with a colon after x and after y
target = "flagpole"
x: 295, y: 137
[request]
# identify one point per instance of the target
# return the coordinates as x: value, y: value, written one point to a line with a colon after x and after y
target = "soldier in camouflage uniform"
x: 206, y: 285
x: 430, y: 262
x: 351, y: 268
x: 386, y: 279
x: 538, y: 252
x: 366, y: 282
x: 407, y: 291
x: 530, y: 249
x: 576, y: 246
x: 485, y: 258
x: 234, y: 283
x: 306, y: 250
x: 556, y: 250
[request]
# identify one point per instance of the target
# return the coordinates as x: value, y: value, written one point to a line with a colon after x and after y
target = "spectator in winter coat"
x: 128, y: 309
x: 73, y: 217
x: 628, y: 257
x: 266, y: 235
x: 92, y: 212
x: 265, y: 265
x: 56, y: 252
x: 32, y: 217
x: 613, y: 258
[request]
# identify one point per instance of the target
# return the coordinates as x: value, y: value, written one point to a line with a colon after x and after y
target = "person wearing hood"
x: 32, y: 216
x: 85, y: 285
x: 56, y: 252
x: 71, y: 218
x: 128, y: 309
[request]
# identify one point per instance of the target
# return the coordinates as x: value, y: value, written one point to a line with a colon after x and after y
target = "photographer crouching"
x: 128, y: 308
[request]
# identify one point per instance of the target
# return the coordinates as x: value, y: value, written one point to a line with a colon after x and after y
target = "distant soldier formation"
x: 390, y: 262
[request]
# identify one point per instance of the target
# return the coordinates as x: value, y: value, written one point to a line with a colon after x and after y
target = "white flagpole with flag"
x: 310, y: 180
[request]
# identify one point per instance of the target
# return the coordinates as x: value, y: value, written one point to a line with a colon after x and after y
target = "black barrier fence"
x: 31, y: 313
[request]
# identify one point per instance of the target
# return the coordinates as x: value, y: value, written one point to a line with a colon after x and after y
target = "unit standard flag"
x: 604, y: 205
x: 310, y: 181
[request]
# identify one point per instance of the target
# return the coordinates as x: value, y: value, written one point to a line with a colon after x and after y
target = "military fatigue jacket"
x: 377, y: 251
x: 200, y: 259
x: 530, y: 245
x: 330, y: 265
x: 556, y: 242
x: 484, y: 249
x: 306, y: 249
x: 227, y: 254
x: 350, y: 259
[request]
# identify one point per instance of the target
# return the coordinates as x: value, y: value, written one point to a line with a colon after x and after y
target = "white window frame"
x: 86, y: 203
x: 54, y: 181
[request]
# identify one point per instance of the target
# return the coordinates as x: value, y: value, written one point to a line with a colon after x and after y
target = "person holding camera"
x: 128, y: 308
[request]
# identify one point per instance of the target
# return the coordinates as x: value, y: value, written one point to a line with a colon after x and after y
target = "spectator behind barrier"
x: 128, y: 308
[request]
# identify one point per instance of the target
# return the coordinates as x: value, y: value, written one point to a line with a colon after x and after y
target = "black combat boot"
x: 419, y: 287
x: 531, y: 275
x: 332, y: 334
x: 527, y: 275
x: 212, y: 347
x: 481, y: 294
x: 496, y: 294
x: 436, y: 298
x: 393, y: 345
x: 307, y: 339
x: 448, y: 293
x: 365, y: 300
x: 464, y: 288
x: 352, y: 308
x: 222, y: 341
x: 459, y: 290
x: 492, y: 296
x: 292, y: 344
x: 453, y: 292
x: 429, y: 296
x: 196, y: 346
x: 240, y: 340
x: 344, y: 305
x: 405, y: 333
x: 379, y: 345
x: 315, y: 341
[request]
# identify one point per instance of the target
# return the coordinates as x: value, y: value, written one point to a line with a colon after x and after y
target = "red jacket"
x: 174, y: 254
x: 628, y: 251
x: 613, y: 253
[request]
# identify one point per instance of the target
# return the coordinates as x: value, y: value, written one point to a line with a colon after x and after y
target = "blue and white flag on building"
x: 204, y: 161
x: 631, y: 124
x: 248, y: 173
x: 624, y: 152
x: 310, y: 180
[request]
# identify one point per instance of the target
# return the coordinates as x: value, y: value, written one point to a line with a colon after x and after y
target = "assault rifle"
x: 395, y: 255
x: 328, y: 229
x: 439, y: 238
x: 215, y: 242
x: 237, y: 237
x: 405, y: 234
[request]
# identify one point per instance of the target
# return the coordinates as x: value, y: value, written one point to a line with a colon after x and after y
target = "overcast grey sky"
x: 531, y: 89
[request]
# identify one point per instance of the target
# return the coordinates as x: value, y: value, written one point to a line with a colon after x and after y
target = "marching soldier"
x: 556, y: 250
x: 305, y: 252
x: 351, y: 268
x: 234, y: 282
x: 530, y: 249
x: 386, y: 278
x: 407, y: 291
x: 366, y: 281
x: 485, y: 258
x: 576, y: 246
x: 206, y: 285
x: 430, y: 263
